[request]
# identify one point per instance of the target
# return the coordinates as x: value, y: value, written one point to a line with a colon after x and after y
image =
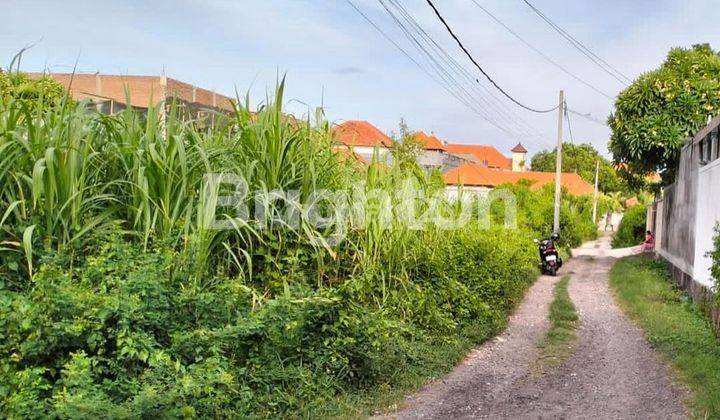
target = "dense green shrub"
x: 536, y: 210
x: 632, y: 228
x: 117, y: 301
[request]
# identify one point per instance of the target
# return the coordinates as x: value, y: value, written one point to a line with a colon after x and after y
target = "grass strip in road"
x: 559, y: 342
x: 673, y: 325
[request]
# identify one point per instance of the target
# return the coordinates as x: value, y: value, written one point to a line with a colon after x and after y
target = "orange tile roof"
x: 360, y: 133
x: 488, y: 154
x: 144, y: 91
x: 478, y: 176
x: 631, y: 202
x: 428, y: 142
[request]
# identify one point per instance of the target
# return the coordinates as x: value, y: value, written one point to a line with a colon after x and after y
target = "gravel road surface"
x: 613, y: 374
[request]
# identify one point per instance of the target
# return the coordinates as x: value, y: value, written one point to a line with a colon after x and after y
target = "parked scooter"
x: 550, y: 261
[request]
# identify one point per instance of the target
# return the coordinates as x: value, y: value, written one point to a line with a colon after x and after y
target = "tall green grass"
x: 119, y: 299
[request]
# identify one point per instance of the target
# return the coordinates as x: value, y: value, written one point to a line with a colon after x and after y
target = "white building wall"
x: 519, y: 162
x: 454, y: 192
x: 708, y: 215
x: 367, y: 153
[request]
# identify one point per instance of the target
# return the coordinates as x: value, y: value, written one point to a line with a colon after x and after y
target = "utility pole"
x: 595, y: 196
x: 558, y: 163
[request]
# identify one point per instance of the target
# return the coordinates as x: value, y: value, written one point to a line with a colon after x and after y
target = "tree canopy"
x: 581, y: 159
x: 663, y: 107
x: 19, y: 86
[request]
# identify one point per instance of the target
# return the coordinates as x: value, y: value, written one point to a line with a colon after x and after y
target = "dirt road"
x: 613, y: 374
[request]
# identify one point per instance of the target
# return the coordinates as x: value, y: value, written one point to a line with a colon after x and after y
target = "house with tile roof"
x: 434, y: 153
x: 363, y: 139
x: 475, y: 178
x: 487, y: 156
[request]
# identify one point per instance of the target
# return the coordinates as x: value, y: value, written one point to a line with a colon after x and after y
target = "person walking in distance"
x: 609, y: 222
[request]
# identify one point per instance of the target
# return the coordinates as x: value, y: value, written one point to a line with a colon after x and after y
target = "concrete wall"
x: 686, y: 215
x: 430, y: 159
x: 367, y: 153
x: 677, y: 242
x: 519, y: 162
x: 708, y: 215
x: 453, y: 192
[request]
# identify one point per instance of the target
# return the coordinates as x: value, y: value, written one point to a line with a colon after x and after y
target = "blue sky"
x: 332, y: 57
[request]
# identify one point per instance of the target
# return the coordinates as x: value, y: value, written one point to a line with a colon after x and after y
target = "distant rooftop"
x: 428, y: 142
x: 478, y: 176
x: 519, y: 149
x: 143, y: 91
x: 360, y: 133
x: 485, y: 154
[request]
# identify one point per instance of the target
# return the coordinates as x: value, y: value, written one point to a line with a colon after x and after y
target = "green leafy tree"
x: 20, y: 86
x: 582, y: 159
x: 406, y: 149
x: 663, y: 107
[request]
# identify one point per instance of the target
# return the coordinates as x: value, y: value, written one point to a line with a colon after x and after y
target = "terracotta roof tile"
x: 488, y: 154
x: 360, y: 133
x: 428, y: 142
x: 476, y: 175
x: 519, y: 149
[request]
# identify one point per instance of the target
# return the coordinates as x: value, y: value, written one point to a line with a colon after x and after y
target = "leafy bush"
x: 117, y: 300
x: 661, y: 108
x: 632, y: 228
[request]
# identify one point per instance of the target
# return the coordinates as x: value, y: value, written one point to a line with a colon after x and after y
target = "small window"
x: 715, y: 143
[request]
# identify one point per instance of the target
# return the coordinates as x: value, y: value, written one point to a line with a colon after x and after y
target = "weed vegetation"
x: 560, y: 340
x: 631, y: 231
x: 674, y: 325
x: 118, y: 298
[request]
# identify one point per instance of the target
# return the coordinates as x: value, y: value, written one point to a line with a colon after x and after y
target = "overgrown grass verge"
x: 430, y: 360
x: 559, y: 342
x: 675, y: 326
x: 121, y: 296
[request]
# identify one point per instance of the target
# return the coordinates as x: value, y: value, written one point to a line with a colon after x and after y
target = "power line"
x: 455, y: 67
x: 543, y: 55
x: 507, y: 95
x: 567, y: 118
x: 604, y: 65
x: 447, y: 86
x: 587, y: 116
x: 463, y: 95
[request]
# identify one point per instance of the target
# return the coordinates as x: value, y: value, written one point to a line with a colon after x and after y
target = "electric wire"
x: 472, y: 59
x: 604, y: 65
x: 567, y: 118
x: 503, y: 111
x: 442, y: 72
x: 540, y: 53
x: 424, y: 70
x: 587, y: 116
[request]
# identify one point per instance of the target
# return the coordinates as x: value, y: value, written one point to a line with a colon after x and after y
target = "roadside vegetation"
x: 660, y: 109
x: 631, y: 231
x: 117, y: 298
x: 560, y: 340
x: 674, y: 325
x: 582, y: 160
